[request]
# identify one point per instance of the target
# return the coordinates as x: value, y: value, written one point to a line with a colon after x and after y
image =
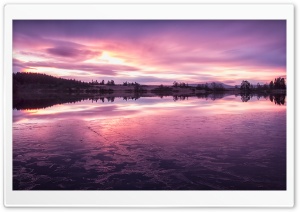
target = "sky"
x: 152, y: 51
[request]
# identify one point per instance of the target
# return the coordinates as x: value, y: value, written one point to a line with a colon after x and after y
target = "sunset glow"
x: 152, y: 52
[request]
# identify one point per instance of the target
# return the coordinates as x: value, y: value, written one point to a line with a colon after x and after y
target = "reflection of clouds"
x: 89, y: 110
x: 57, y: 112
x: 18, y: 115
x: 168, y: 105
x: 237, y: 106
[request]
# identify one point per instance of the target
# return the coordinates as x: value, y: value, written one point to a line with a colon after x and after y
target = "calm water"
x: 151, y: 143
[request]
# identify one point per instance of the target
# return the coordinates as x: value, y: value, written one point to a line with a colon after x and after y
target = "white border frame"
x: 147, y: 198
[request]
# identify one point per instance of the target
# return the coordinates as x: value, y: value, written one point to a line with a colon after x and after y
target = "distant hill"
x: 218, y: 83
x: 27, y: 78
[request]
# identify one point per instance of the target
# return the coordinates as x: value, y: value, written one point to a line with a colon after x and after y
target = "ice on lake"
x: 151, y: 143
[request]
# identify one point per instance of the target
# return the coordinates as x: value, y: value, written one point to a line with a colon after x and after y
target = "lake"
x: 227, y: 142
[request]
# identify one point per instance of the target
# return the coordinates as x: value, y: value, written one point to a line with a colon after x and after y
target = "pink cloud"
x: 69, y: 53
x: 206, y: 49
x: 105, y: 69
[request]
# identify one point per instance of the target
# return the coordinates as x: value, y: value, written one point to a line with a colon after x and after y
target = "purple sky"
x: 153, y: 51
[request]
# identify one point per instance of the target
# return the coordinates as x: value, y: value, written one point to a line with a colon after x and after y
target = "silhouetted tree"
x: 245, y: 86
x: 279, y: 83
x: 110, y: 82
x: 217, y: 86
x: 271, y: 85
x: 258, y: 86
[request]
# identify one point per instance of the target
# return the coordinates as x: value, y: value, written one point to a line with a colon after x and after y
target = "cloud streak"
x: 95, y: 68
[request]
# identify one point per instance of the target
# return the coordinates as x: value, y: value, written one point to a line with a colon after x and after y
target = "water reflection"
x: 245, y: 97
x: 278, y: 99
x: 44, y: 102
x: 204, y: 142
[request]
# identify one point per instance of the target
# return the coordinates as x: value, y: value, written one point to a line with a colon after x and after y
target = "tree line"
x: 278, y: 83
x: 22, y: 78
x: 37, y: 80
x: 210, y: 87
x: 109, y: 82
x: 44, y: 79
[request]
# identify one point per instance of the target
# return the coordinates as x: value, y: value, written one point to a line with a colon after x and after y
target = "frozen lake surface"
x: 151, y: 143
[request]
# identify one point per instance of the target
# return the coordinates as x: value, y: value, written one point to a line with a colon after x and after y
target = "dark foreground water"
x: 151, y: 143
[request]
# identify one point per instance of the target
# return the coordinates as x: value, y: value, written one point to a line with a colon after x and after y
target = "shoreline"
x: 131, y: 90
x: 27, y: 100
